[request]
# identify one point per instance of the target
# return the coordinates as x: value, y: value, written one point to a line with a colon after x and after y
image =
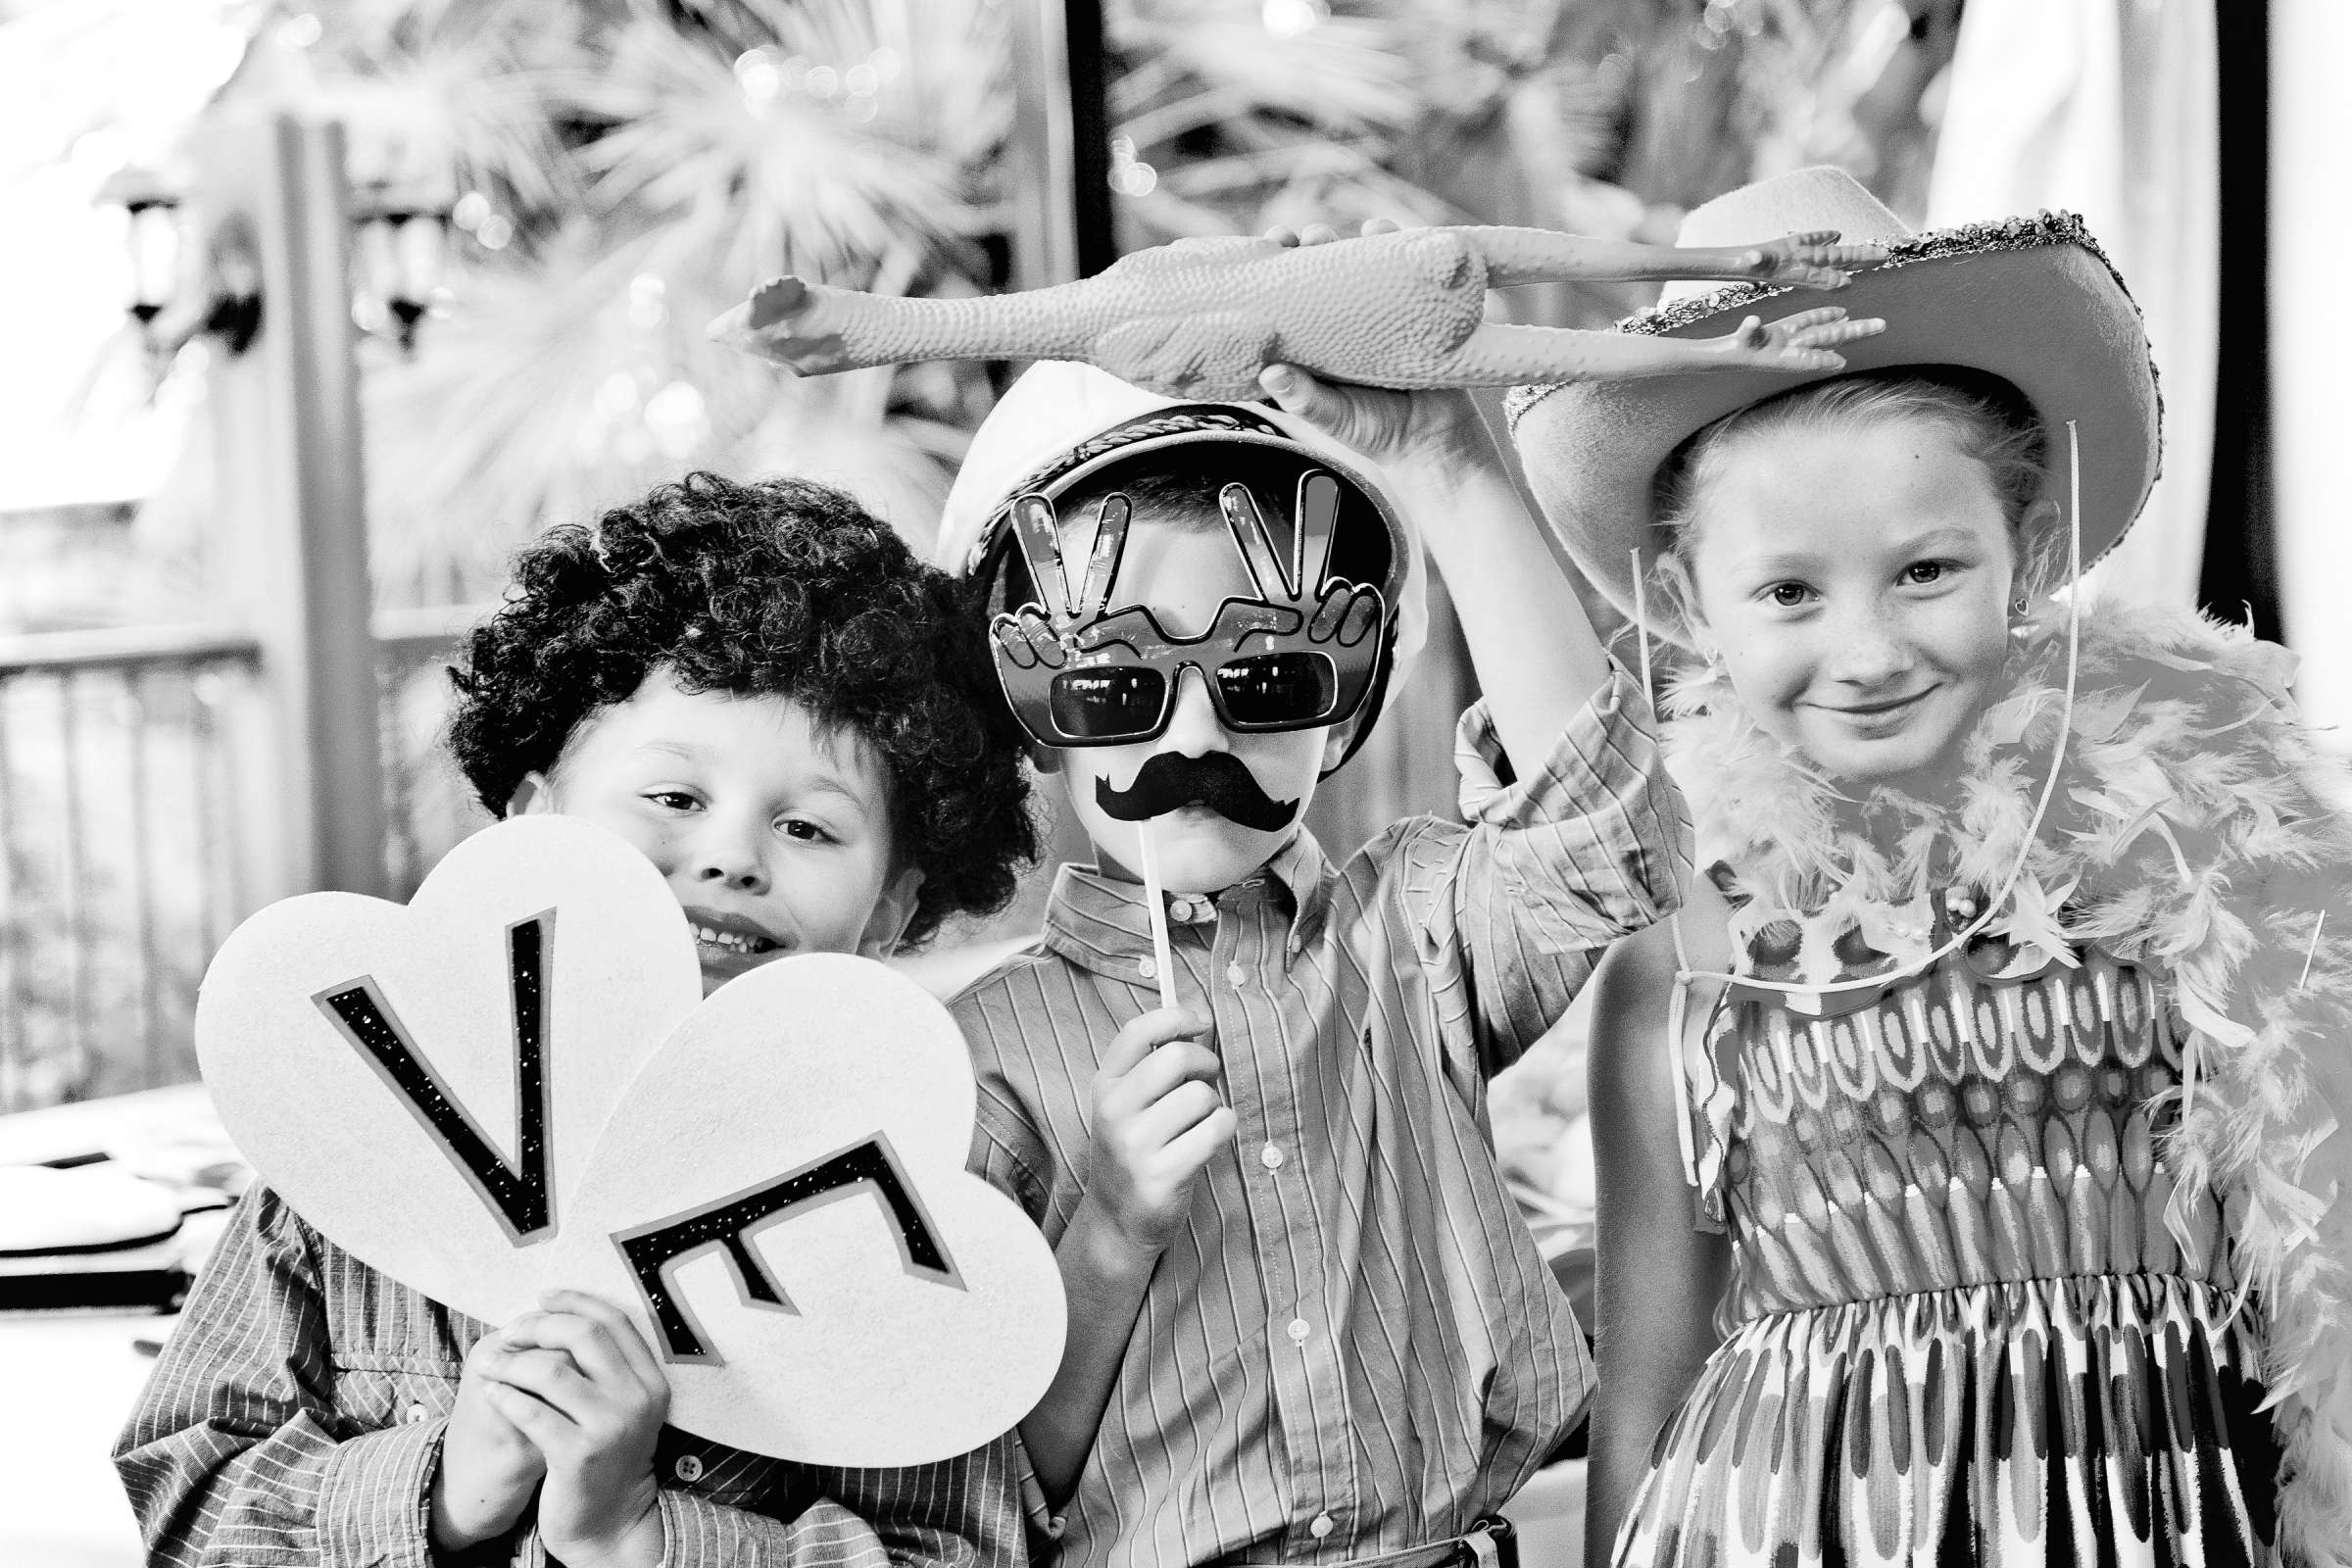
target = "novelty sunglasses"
x: 1300, y: 655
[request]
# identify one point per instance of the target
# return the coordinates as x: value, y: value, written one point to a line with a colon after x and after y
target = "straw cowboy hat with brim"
x: 1062, y: 424
x: 2031, y: 300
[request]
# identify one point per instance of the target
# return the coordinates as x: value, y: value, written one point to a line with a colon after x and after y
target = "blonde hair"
x: 1986, y: 417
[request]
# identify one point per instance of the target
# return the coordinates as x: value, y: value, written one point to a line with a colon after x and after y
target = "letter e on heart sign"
x: 514, y: 1083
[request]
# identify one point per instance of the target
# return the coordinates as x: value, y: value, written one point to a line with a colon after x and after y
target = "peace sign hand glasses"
x: 1300, y: 655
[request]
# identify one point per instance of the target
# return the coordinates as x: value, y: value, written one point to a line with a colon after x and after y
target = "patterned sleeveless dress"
x: 1960, y: 1329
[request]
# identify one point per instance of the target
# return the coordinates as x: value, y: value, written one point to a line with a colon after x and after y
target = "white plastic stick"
x: 1156, y: 903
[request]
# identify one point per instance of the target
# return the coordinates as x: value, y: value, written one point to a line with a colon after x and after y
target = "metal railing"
x: 127, y: 828
x: 121, y: 852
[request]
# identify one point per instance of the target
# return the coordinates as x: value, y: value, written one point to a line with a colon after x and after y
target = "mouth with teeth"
x: 730, y: 941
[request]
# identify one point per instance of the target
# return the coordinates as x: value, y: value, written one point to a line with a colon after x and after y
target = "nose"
x: 1868, y: 647
x: 730, y: 851
x: 1193, y: 728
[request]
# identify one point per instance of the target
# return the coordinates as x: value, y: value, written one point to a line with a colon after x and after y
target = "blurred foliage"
x: 620, y: 171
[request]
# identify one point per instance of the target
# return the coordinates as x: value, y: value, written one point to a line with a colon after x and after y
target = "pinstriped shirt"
x: 296, y: 1417
x: 1353, y: 1346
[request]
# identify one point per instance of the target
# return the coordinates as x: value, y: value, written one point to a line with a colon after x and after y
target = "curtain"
x: 2108, y: 108
x: 2311, y: 322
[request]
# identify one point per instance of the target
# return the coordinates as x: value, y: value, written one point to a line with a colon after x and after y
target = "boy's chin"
x: 1201, y: 851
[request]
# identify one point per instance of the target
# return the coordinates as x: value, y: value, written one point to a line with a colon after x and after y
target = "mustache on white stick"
x: 1162, y: 961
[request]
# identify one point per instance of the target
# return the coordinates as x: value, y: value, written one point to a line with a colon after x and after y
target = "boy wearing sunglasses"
x: 1305, y: 1320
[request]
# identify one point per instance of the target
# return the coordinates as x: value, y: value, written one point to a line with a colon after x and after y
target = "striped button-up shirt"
x: 296, y: 1417
x: 1353, y: 1346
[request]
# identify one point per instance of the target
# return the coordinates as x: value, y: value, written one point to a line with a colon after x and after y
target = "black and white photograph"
x: 1175, y: 784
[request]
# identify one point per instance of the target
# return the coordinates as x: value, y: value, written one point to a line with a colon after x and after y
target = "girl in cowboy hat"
x: 1967, y: 1187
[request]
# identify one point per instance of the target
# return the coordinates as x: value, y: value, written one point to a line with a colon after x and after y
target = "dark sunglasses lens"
x: 1275, y: 689
x: 1093, y: 704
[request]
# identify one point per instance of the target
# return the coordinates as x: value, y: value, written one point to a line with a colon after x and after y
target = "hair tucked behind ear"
x: 1988, y: 418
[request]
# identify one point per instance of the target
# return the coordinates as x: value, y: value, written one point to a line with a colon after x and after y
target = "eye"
x: 799, y: 827
x: 1788, y: 595
x: 1920, y: 573
x: 674, y: 799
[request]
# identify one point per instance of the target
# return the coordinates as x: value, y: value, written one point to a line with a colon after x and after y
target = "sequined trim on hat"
x: 2021, y: 232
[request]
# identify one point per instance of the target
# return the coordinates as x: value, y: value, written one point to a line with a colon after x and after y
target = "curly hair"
x: 777, y: 588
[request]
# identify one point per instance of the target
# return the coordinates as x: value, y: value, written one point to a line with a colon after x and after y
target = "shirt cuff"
x: 375, y: 1498
x: 1597, y: 826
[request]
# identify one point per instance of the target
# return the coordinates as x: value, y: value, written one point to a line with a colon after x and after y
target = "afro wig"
x: 777, y: 588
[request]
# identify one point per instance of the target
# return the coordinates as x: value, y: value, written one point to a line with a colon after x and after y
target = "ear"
x: 894, y: 912
x: 1044, y: 758
x: 533, y: 797
x: 1335, y: 742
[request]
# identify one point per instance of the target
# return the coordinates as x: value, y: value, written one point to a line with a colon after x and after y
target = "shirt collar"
x: 1092, y: 915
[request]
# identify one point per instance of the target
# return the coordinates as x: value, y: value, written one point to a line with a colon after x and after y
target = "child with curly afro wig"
x: 762, y: 687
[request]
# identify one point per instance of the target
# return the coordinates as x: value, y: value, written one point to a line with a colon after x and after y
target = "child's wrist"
x: 1107, y: 1249
x: 639, y: 1543
x: 454, y: 1532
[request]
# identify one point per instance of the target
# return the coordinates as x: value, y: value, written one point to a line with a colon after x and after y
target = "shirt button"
x: 1299, y: 1330
x: 1270, y: 1157
x: 416, y: 1413
x: 1236, y: 974
x: 1319, y: 1525
x: 1147, y: 968
x: 689, y: 1468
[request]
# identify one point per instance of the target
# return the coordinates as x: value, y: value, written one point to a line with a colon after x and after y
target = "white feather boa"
x: 2193, y: 830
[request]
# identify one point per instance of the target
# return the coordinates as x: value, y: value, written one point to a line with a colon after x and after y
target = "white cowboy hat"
x: 2031, y: 300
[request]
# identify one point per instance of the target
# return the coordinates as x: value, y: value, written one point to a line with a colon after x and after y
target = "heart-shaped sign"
x: 512, y: 1084
x: 425, y: 1084
x: 781, y: 1197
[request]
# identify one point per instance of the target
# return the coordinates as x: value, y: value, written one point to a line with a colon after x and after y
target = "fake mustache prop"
x: 1219, y: 780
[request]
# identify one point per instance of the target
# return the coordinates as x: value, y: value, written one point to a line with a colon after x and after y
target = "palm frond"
x: 1343, y: 77
x: 788, y: 182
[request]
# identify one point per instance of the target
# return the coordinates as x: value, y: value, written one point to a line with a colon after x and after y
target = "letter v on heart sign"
x: 424, y: 1085
x: 512, y: 1083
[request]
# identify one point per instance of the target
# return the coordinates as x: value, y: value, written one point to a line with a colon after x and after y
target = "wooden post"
x: 288, y: 554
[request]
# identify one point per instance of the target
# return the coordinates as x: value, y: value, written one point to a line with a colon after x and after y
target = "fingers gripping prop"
x: 514, y: 1083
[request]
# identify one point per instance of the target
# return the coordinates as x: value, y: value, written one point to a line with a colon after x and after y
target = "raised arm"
x: 1537, y: 658
x: 1658, y: 1275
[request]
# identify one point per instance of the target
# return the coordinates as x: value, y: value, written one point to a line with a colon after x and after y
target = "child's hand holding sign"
x: 512, y: 1084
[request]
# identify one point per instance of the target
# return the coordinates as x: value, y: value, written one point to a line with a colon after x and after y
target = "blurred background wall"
x: 544, y: 202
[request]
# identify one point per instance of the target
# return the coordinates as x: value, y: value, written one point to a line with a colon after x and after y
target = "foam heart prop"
x: 425, y: 1083
x: 782, y: 1203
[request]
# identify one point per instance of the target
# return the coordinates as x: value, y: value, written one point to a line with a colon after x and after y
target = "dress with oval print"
x: 1959, y: 1328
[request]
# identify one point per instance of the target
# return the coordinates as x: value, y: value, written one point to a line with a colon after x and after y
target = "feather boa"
x: 2194, y: 830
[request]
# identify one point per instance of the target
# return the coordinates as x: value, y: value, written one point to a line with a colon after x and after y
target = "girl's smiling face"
x: 773, y: 833
x: 1855, y: 578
